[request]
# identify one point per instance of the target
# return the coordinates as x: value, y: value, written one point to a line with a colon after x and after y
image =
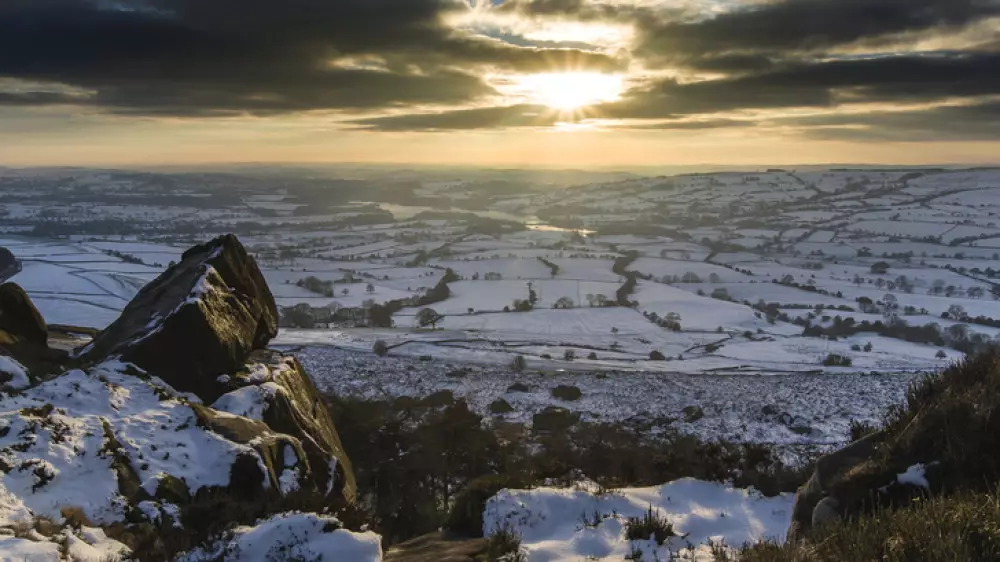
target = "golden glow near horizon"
x: 570, y: 91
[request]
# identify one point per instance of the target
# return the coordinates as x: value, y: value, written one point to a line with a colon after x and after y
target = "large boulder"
x: 199, y: 319
x: 19, y: 319
x: 201, y: 327
x: 25, y: 341
x: 177, y: 414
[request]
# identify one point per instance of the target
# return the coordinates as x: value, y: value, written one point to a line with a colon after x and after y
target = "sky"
x: 564, y: 83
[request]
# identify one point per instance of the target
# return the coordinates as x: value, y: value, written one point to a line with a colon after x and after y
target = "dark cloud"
x: 693, y: 125
x: 914, y: 78
x: 973, y: 122
x: 223, y: 56
x: 521, y: 115
x: 781, y: 29
x: 230, y: 57
x: 903, y: 78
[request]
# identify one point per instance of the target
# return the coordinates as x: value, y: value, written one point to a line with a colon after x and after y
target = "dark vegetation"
x: 553, y: 267
x: 950, y: 422
x: 431, y: 463
x: 380, y: 315
x: 651, y: 525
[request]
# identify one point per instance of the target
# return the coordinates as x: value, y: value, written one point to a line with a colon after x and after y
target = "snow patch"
x: 292, y: 536
x: 915, y: 475
x: 17, y: 372
x: 550, y: 521
x: 56, y: 438
x: 249, y: 401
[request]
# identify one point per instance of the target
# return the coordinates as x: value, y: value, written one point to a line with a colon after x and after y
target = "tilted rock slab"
x: 199, y: 319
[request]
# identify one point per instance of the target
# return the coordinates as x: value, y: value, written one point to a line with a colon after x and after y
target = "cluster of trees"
x: 670, y: 321
x: 956, y: 336
x: 317, y: 285
x: 837, y: 360
x: 380, y: 315
x: 809, y: 285
x: 488, y: 276
x: 564, y: 303
x: 598, y: 300
x: 525, y: 305
x: 553, y: 267
x: 901, y: 283
x: 129, y: 258
x: 957, y: 312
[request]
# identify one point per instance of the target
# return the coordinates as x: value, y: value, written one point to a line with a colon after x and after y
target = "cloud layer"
x: 846, y: 69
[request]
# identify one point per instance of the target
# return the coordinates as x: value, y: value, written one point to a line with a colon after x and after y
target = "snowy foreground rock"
x: 586, y: 523
x: 291, y: 536
x: 176, y: 400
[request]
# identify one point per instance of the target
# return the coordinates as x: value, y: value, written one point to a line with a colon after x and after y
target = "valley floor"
x: 789, y: 410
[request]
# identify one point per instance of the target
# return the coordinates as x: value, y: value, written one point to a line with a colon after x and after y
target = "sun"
x: 568, y: 91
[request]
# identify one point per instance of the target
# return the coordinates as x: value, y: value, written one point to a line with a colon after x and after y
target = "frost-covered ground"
x: 788, y: 409
x: 291, y: 536
x: 587, y: 523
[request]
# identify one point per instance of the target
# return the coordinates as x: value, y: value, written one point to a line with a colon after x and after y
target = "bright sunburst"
x: 567, y: 91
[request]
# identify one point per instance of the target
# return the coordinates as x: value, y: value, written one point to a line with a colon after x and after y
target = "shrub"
x: 650, y: 525
x: 569, y: 355
x: 567, y: 393
x: 505, y: 546
x: 856, y: 347
x: 518, y: 387
x: 501, y: 406
x: 380, y: 348
x: 837, y: 360
x: 554, y: 418
x: 466, y: 515
x: 941, y: 354
x: 859, y: 430
x: 592, y: 356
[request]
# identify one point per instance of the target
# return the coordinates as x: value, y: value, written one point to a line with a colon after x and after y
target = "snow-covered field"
x: 787, y: 409
x: 707, y: 250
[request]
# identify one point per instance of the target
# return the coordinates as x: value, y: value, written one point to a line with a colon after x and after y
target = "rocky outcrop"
x: 816, y: 503
x: 199, y: 319
x: 174, y: 404
x: 20, y: 321
x: 201, y: 326
x: 24, y: 335
x: 275, y: 389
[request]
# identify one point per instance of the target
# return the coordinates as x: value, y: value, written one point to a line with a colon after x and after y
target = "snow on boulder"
x: 15, y: 548
x: 275, y: 389
x: 291, y: 536
x: 104, y: 440
x: 581, y: 523
x: 197, y: 320
x: 13, y: 375
x: 85, y: 544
